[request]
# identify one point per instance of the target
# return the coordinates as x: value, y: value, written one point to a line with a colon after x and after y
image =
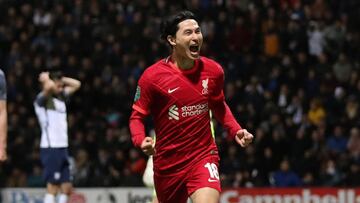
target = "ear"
x: 171, y: 40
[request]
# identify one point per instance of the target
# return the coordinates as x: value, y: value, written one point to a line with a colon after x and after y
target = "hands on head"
x: 47, y: 83
x: 44, y: 76
x: 243, y: 137
x: 148, y: 146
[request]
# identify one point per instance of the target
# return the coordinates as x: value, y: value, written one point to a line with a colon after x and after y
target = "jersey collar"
x: 168, y: 61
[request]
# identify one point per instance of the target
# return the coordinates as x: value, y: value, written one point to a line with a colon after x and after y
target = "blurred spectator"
x: 330, y: 174
x: 342, y: 69
x: 82, y: 169
x: 335, y: 37
x: 337, y: 142
x: 271, y: 40
x: 17, y: 178
x: 353, y: 145
x: 35, y: 179
x: 316, y: 112
x: 316, y: 39
x: 353, y: 176
x: 285, y: 177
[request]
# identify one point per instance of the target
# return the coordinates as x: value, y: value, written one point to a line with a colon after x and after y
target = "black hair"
x: 55, y: 75
x: 169, y: 26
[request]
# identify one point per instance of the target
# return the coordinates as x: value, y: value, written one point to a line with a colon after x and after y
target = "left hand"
x: 243, y: 137
x: 3, y: 155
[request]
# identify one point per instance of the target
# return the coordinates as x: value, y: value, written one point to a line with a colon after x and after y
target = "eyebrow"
x: 189, y: 29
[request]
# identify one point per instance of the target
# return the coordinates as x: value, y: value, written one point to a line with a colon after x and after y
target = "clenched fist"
x: 147, y: 146
x: 243, y: 137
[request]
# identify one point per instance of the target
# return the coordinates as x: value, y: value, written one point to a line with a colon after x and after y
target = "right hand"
x: 47, y: 83
x: 147, y: 146
x: 44, y: 76
x: 3, y: 155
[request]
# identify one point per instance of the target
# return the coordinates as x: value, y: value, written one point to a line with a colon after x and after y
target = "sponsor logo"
x: 173, y: 112
x: 187, y: 111
x: 77, y: 198
x: 135, y: 198
x: 137, y: 94
x: 16, y: 196
x: 205, y: 86
x: 269, y: 195
x: 172, y: 90
x: 57, y: 175
x: 212, y: 180
x: 194, y: 110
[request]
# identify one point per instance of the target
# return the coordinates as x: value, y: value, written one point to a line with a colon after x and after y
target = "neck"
x: 182, y: 62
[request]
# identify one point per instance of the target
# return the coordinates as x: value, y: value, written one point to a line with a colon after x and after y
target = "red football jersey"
x: 179, y: 102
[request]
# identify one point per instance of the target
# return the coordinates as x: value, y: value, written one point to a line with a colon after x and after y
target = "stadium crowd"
x: 292, y: 78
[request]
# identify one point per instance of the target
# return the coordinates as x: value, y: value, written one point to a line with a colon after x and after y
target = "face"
x: 59, y: 86
x: 188, y: 39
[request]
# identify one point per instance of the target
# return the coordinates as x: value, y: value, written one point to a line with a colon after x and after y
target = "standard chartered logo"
x: 194, y: 110
x: 174, y: 112
x: 187, y: 111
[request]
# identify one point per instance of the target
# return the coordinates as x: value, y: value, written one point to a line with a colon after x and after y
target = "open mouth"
x: 194, y: 48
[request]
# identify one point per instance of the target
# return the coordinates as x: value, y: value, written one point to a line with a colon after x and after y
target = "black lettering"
x: 139, y: 198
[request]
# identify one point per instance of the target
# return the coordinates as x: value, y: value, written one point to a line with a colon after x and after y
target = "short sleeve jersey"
x: 52, y: 116
x: 179, y: 104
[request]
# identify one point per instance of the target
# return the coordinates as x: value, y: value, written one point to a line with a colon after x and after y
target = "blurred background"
x: 292, y: 79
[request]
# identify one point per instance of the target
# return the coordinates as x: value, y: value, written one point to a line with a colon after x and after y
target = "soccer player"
x: 51, y: 112
x: 3, y: 117
x: 178, y: 92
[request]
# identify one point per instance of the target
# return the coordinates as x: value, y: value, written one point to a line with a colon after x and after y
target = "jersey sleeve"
x: 40, y: 99
x: 137, y: 127
x: 143, y: 96
x: 218, y: 105
x: 218, y: 93
x: 2, y: 86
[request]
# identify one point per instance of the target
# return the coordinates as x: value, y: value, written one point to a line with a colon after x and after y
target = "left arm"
x: 223, y: 113
x: 71, y: 85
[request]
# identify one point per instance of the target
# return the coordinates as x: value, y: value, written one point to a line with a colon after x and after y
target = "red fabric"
x: 138, y: 167
x: 178, y: 188
x: 179, y: 102
x: 137, y: 127
x: 223, y: 114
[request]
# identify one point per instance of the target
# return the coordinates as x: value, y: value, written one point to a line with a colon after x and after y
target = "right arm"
x: 138, y: 137
x: 3, y: 118
x: 137, y: 128
x: 141, y: 108
x: 48, y: 85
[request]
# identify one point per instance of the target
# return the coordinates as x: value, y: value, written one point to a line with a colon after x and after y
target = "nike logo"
x: 172, y: 90
x: 212, y: 180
